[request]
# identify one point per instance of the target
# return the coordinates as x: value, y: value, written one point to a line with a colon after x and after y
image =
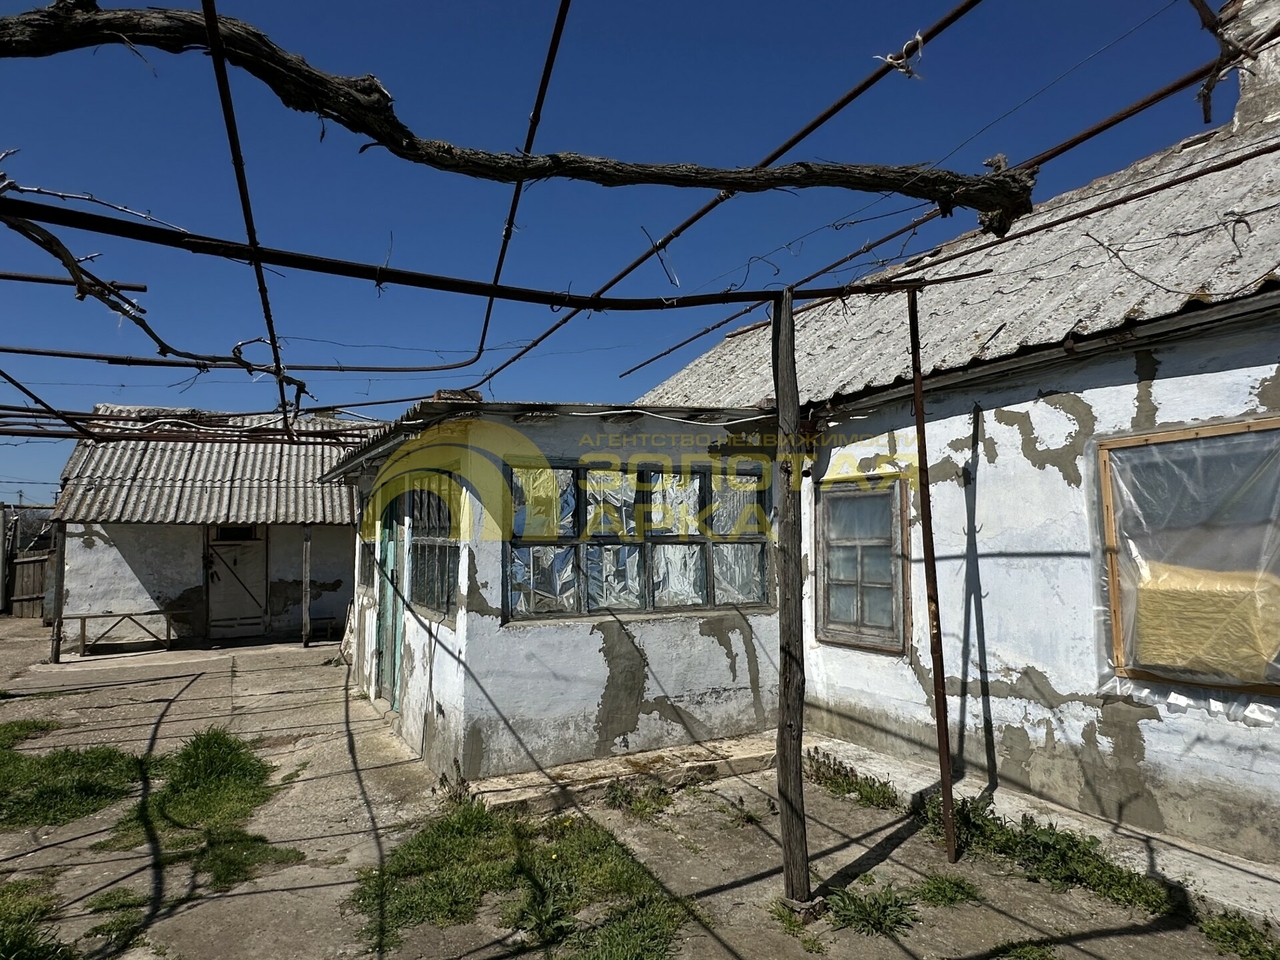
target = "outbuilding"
x: 182, y: 533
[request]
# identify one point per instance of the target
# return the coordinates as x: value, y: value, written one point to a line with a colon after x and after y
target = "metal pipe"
x: 68, y: 282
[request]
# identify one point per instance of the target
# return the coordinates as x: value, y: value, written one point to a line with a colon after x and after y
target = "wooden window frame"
x: 1111, y: 546
x: 643, y: 540
x: 447, y: 546
x: 836, y: 634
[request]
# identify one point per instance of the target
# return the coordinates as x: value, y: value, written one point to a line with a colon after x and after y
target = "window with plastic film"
x: 586, y: 540
x: 861, y: 564
x: 433, y: 543
x: 1192, y: 533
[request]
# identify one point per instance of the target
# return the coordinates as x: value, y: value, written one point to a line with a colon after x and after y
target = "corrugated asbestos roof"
x: 1212, y: 239
x: 168, y: 481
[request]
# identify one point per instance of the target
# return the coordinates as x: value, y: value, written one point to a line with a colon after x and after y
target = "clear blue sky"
x: 715, y: 83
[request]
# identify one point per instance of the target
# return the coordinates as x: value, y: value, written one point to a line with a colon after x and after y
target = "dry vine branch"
x: 363, y: 106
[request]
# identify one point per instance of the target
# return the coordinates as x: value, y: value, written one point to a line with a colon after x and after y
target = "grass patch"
x: 212, y: 786
x: 945, y: 890
x: 62, y: 785
x: 882, y: 912
x: 1060, y: 858
x: 1232, y: 933
x: 1023, y: 950
x: 25, y: 909
x: 124, y: 922
x: 843, y: 781
x: 549, y: 871
x: 645, y: 801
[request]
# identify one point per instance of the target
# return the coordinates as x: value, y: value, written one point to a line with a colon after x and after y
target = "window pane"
x: 863, y: 517
x: 737, y: 510
x: 543, y: 503
x: 611, y: 503
x: 842, y: 563
x: 842, y: 603
x: 739, y: 571
x: 676, y: 502
x: 613, y: 577
x: 877, y: 606
x: 679, y: 575
x: 877, y: 565
x: 543, y: 580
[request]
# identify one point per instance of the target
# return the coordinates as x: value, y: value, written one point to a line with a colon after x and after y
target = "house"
x: 544, y: 583
x: 214, y: 539
x: 1103, y: 432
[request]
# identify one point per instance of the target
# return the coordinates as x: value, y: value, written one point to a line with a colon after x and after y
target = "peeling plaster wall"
x: 503, y: 698
x: 1020, y: 569
x: 332, y: 576
x: 132, y: 567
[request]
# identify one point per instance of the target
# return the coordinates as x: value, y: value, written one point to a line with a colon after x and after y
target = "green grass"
x: 645, y: 801
x: 212, y: 786
x: 945, y: 890
x: 882, y: 912
x: 1060, y: 858
x: 1023, y: 950
x: 547, y: 872
x: 843, y: 781
x: 793, y: 926
x: 25, y: 909
x: 62, y: 785
x: 1232, y: 933
x: 124, y: 922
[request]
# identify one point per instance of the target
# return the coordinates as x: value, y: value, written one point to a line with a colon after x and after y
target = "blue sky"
x: 716, y: 83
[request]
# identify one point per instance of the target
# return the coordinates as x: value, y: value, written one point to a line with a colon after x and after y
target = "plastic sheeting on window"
x: 679, y: 575
x: 1198, y: 556
x: 543, y: 580
x: 675, y: 503
x: 739, y: 569
x: 613, y: 577
x: 543, y: 503
x: 611, y: 503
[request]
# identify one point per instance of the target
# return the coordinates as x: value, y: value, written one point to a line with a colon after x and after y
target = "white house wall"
x: 332, y: 548
x: 1031, y: 695
x: 124, y: 568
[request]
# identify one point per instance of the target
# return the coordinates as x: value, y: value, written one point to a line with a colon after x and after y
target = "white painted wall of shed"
x: 1030, y: 555
x: 332, y: 576
x: 131, y: 568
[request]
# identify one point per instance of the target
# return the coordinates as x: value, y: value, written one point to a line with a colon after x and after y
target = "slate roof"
x: 174, y: 481
x: 1209, y: 240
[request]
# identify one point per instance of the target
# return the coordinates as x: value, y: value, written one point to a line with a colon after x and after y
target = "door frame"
x: 209, y: 541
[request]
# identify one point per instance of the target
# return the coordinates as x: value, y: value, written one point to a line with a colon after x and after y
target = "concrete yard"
x: 350, y: 790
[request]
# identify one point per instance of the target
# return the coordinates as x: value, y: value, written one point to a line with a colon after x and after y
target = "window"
x: 433, y: 544
x: 368, y: 563
x: 861, y: 563
x: 1192, y: 529
x: 232, y: 533
x: 586, y: 540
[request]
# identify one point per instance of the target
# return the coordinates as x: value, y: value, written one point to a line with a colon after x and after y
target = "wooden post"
x: 59, y: 588
x: 931, y: 584
x: 306, y: 584
x: 795, y: 842
x: 4, y: 554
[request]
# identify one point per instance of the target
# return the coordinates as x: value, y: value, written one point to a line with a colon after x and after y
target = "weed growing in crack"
x: 125, y: 919
x: 843, y: 781
x: 644, y: 801
x: 882, y: 912
x: 793, y: 926
x: 945, y: 890
x: 551, y: 870
x: 739, y: 814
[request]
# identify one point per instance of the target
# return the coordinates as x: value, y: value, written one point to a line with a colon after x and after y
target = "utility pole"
x: 790, y: 451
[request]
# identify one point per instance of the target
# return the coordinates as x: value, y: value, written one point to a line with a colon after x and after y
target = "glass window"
x: 1193, y: 554
x: 861, y: 565
x: 434, y: 553
x: 636, y: 540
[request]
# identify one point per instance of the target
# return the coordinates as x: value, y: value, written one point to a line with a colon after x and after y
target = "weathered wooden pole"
x: 931, y: 583
x: 795, y: 841
x: 306, y: 584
